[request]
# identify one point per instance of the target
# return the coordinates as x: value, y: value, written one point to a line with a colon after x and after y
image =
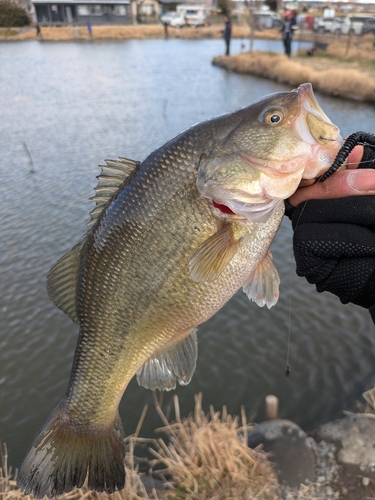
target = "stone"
x: 355, y: 436
x: 365, y: 481
x: 288, y: 447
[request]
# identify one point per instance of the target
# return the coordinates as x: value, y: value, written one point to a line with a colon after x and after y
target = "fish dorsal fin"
x: 62, y: 282
x: 213, y: 255
x: 263, y: 287
x: 111, y: 179
x: 175, y: 363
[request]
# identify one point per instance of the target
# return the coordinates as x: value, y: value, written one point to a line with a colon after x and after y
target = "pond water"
x: 66, y: 107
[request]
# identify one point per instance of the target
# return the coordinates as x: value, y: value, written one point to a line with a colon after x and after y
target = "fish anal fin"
x: 213, y: 255
x: 263, y: 287
x: 111, y: 179
x: 62, y: 282
x: 64, y: 454
x: 175, y: 363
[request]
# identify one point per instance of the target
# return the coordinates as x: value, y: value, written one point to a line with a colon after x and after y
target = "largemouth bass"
x: 170, y: 241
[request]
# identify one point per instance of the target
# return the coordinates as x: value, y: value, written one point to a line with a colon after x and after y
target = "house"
x: 63, y: 12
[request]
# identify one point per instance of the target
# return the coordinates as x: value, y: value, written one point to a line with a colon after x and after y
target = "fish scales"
x: 159, y: 251
x: 170, y: 241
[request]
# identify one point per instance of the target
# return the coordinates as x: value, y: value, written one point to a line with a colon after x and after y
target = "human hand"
x: 334, y: 233
x: 350, y: 182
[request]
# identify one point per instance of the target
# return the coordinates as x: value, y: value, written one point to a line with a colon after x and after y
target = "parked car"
x: 327, y: 25
x: 368, y: 25
x: 187, y: 15
x: 167, y: 17
x: 174, y: 19
x: 354, y: 24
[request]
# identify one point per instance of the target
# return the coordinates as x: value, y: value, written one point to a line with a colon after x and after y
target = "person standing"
x: 89, y: 30
x: 38, y: 32
x: 227, y: 33
x: 289, y: 26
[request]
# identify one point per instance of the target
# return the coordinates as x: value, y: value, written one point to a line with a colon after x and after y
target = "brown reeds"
x: 7, y: 480
x: 120, y: 32
x: 208, y: 458
x: 349, y: 83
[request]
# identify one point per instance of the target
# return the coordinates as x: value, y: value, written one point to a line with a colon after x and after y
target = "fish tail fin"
x: 64, y: 454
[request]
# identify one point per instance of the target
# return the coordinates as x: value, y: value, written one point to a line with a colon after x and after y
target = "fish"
x: 171, y: 239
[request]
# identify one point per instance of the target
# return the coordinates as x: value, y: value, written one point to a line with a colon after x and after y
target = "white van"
x: 194, y: 15
x: 354, y: 24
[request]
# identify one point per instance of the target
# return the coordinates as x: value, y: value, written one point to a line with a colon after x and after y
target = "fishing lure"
x: 351, y: 142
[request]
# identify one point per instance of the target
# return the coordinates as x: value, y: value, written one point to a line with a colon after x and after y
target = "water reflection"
x: 76, y: 104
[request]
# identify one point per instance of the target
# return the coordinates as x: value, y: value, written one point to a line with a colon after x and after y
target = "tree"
x: 12, y: 15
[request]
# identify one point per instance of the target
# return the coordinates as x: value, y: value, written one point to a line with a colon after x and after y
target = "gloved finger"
x: 356, y: 210
x: 338, y: 259
x: 336, y: 241
x: 353, y: 280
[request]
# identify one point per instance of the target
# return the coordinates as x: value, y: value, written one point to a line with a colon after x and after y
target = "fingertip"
x: 362, y: 181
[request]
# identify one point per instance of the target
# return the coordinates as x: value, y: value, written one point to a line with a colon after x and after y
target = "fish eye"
x: 275, y: 118
x: 272, y: 116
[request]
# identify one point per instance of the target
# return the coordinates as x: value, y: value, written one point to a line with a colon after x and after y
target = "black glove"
x: 334, y: 244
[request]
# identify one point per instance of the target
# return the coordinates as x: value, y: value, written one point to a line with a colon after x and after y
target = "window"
x: 119, y: 10
x: 96, y: 10
x: 83, y: 10
x: 147, y: 9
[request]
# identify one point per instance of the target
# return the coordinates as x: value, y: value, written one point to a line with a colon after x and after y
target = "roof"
x: 81, y: 2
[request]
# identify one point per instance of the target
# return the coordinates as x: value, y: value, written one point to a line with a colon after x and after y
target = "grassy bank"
x: 123, y: 32
x: 338, y: 78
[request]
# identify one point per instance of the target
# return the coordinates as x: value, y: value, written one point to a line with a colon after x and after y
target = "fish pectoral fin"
x: 62, y: 282
x: 176, y: 362
x: 213, y: 255
x: 263, y: 287
x: 113, y: 176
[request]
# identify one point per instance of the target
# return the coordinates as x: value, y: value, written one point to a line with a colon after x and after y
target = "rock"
x: 288, y: 447
x: 365, y: 481
x: 355, y: 435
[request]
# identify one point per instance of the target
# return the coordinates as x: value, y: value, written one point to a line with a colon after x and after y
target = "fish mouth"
x: 232, y: 209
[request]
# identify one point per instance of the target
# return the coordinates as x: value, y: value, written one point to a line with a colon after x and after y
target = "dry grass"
x: 121, y: 32
x: 344, y: 82
x: 205, y: 455
x: 208, y: 458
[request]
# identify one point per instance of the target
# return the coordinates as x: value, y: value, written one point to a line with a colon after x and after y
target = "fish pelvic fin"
x: 63, y: 456
x: 62, y: 282
x: 113, y: 176
x: 175, y: 363
x: 213, y: 255
x: 263, y: 287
